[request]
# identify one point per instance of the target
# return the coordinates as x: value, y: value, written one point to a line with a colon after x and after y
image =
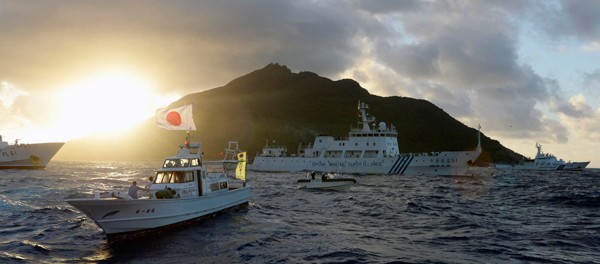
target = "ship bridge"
x: 363, y: 142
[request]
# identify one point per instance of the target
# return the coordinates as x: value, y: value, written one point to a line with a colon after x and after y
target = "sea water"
x: 492, y: 216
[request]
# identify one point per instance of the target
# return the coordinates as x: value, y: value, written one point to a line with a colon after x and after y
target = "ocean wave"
x: 507, y: 217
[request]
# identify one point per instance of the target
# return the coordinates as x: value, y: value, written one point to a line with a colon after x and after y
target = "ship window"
x: 214, y: 186
x: 177, y: 177
x: 224, y: 185
x: 169, y: 163
x: 184, y: 162
x: 176, y: 163
x: 162, y: 177
x: 195, y: 162
x: 189, y: 177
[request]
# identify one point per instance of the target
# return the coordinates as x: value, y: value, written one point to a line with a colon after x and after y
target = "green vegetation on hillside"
x: 292, y: 108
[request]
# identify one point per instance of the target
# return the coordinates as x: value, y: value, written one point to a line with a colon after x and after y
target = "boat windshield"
x: 174, y: 177
x: 171, y: 163
x: 174, y: 163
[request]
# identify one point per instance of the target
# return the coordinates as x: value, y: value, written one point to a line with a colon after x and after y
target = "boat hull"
x: 576, y: 166
x: 530, y: 166
x: 570, y: 166
x: 28, y: 156
x: 120, y: 216
x: 546, y: 162
x: 442, y: 163
x: 328, y: 184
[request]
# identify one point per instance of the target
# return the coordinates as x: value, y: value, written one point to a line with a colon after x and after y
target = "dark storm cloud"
x: 417, y: 61
x: 389, y: 6
x: 575, y: 18
x: 184, y: 42
x: 459, y: 45
x: 462, y: 55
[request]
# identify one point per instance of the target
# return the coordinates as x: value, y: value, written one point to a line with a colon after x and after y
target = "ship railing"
x: 388, y: 130
x: 374, y: 134
x: 421, y: 154
x: 275, y: 147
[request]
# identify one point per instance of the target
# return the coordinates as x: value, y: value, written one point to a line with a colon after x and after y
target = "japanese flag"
x: 180, y: 118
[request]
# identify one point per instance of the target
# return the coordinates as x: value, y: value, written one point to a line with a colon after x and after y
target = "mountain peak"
x: 276, y: 67
x: 273, y: 103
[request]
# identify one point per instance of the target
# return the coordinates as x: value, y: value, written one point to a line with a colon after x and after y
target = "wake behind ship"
x: 367, y: 150
x: 27, y: 156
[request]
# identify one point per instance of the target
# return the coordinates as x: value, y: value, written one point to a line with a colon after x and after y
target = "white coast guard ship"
x: 367, y: 150
x: 546, y: 162
x: 27, y: 156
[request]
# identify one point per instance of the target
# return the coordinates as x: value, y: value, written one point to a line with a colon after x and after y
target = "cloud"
x: 464, y: 59
x: 9, y: 93
x: 420, y: 61
x: 581, y: 18
x: 593, y: 46
x: 12, y: 108
x: 591, y: 80
x: 186, y: 45
x: 20, y: 109
x: 586, y: 125
x: 566, y: 18
x: 461, y: 55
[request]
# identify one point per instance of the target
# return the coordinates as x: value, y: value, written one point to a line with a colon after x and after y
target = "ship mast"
x: 479, y: 137
x: 364, y: 119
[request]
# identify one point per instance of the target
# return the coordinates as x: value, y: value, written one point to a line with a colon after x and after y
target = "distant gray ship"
x: 27, y: 156
x: 545, y: 161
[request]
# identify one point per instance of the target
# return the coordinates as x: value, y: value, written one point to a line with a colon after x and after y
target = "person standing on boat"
x: 149, y: 184
x: 133, y: 189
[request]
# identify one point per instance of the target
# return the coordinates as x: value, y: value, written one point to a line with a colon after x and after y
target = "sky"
x: 526, y: 71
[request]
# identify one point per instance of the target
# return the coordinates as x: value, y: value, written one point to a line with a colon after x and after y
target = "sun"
x: 110, y: 100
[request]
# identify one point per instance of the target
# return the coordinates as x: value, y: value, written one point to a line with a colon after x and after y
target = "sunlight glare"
x: 105, y: 102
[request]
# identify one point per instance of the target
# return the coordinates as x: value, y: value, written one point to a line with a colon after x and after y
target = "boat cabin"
x: 185, y: 175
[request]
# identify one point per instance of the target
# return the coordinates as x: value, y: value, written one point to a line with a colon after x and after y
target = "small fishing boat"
x: 186, y: 187
x: 326, y: 181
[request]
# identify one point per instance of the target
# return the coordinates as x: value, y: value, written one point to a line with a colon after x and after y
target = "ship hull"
x: 327, y: 184
x: 28, y: 156
x: 576, y: 166
x: 531, y: 166
x: 122, y: 216
x: 442, y: 163
x: 571, y: 166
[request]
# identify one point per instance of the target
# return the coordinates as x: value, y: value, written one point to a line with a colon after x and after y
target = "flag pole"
x: 187, y: 139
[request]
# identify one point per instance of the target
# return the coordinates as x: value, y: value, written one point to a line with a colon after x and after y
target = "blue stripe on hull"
x: 401, y: 165
x: 407, y: 163
x: 394, y: 166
